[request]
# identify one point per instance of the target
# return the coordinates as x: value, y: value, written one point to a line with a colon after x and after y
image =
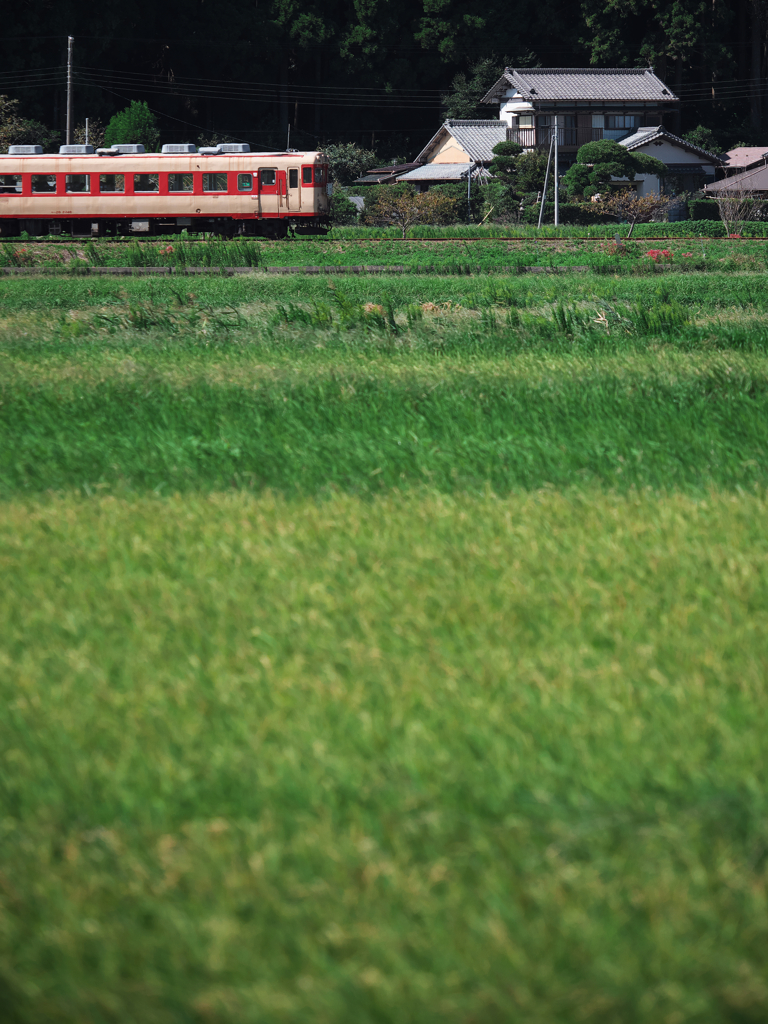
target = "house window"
x: 179, y: 182
x: 146, y: 183
x: 244, y: 182
x: 625, y: 121
x: 43, y: 183
x: 617, y: 126
x: 111, y: 183
x: 214, y: 183
x: 525, y: 121
x: 563, y: 121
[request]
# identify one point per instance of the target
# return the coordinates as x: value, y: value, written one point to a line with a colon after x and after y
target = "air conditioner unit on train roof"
x: 122, y: 148
x: 225, y: 147
x: 25, y: 150
x: 179, y: 147
x: 76, y: 150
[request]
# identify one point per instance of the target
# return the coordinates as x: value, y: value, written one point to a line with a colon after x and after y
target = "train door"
x: 269, y: 197
x: 294, y: 190
x: 282, y: 192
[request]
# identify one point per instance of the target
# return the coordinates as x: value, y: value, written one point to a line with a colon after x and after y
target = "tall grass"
x: 364, y: 397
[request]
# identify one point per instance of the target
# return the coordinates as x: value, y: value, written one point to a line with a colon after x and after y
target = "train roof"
x: 295, y: 154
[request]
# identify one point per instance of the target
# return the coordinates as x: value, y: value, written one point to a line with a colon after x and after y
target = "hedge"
x: 703, y: 209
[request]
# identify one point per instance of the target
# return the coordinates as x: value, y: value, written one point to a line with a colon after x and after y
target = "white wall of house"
x: 648, y: 184
x: 669, y: 153
x: 511, y: 105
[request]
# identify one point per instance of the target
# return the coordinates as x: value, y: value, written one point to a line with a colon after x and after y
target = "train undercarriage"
x: 225, y: 227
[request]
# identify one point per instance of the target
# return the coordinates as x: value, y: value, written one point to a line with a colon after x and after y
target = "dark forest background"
x: 380, y: 73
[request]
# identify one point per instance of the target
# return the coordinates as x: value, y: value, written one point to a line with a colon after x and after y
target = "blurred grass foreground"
x: 387, y: 657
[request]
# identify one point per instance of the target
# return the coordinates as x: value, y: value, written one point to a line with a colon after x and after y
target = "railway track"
x: 498, y: 238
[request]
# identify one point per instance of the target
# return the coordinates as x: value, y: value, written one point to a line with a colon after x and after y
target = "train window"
x: 319, y: 175
x: 43, y: 183
x: 10, y: 183
x: 214, y: 183
x: 146, y: 183
x: 268, y: 177
x: 179, y: 182
x: 78, y: 182
x: 111, y: 183
x: 306, y: 175
x: 244, y: 182
x: 293, y: 177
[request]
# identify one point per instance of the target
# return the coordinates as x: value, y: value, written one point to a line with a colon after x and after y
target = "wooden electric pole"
x: 70, y: 47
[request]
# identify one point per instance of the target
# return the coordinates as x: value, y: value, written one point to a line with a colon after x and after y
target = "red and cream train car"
x: 124, y: 190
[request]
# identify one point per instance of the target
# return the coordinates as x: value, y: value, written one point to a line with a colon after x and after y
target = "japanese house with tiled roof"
x: 590, y: 104
x: 454, y: 148
x: 689, y: 167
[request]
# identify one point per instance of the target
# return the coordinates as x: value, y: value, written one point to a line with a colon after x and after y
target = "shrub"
x: 407, y: 208
x: 371, y: 194
x: 457, y: 192
x: 342, y: 210
x: 570, y: 213
x: 703, y: 209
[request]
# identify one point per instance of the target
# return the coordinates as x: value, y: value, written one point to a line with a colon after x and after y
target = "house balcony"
x: 567, y: 138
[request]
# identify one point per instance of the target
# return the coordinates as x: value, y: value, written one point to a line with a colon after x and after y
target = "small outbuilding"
x: 689, y: 168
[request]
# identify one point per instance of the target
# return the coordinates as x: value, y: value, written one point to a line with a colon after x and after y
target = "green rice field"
x: 384, y: 650
x: 683, y: 247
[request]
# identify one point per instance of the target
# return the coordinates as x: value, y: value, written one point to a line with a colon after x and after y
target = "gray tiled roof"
x: 645, y: 135
x: 476, y: 137
x: 585, y: 84
x: 442, y: 172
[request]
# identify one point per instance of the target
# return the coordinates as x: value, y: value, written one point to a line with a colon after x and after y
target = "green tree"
x: 704, y: 138
x: 348, y: 161
x: 531, y: 169
x: 504, y: 163
x: 598, y: 162
x: 16, y: 130
x: 468, y: 88
x: 137, y: 124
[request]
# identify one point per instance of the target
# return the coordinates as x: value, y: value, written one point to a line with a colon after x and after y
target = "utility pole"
x: 469, y: 193
x: 70, y: 47
x: 546, y: 180
x: 557, y: 179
